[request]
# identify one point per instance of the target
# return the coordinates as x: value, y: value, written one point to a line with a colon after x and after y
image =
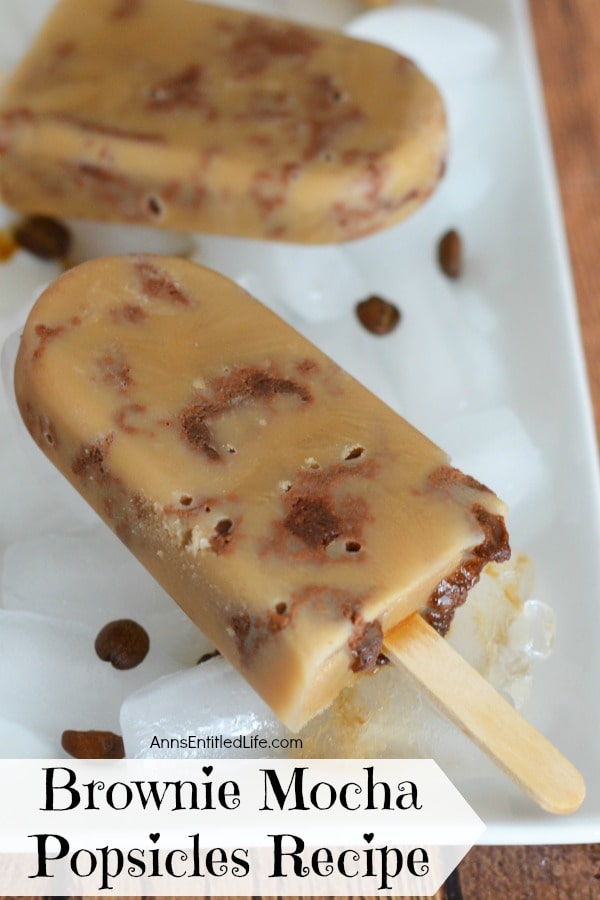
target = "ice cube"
x: 446, y: 44
x: 21, y: 742
x: 93, y: 239
x: 29, y: 488
x: 51, y: 678
x: 458, y: 52
x: 93, y: 579
x: 208, y: 702
x: 494, y: 446
x: 535, y: 630
x: 36, y: 497
x: 315, y: 283
x: 19, y: 22
x: 489, y: 632
x: 22, y: 279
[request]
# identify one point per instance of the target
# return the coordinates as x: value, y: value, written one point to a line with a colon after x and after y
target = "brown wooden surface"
x: 568, y: 38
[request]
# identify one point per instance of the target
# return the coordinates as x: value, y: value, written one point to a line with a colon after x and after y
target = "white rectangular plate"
x: 490, y: 366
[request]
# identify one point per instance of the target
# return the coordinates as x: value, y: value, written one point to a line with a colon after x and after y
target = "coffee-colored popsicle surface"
x: 201, y: 118
x: 292, y: 514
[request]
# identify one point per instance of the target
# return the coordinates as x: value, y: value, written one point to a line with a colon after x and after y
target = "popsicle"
x: 195, y: 117
x: 293, y: 516
x: 301, y: 523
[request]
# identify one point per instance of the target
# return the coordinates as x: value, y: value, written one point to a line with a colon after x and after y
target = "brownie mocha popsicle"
x: 301, y: 523
x: 292, y: 514
x: 201, y: 118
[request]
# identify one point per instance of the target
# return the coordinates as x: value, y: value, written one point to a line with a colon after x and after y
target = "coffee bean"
x: 123, y: 643
x: 93, y: 744
x: 450, y: 254
x: 206, y: 656
x: 377, y: 315
x: 43, y: 236
x: 8, y: 245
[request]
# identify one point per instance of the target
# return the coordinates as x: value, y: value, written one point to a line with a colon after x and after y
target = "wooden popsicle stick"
x: 539, y: 769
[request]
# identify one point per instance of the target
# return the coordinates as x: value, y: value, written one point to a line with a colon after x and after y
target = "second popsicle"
x: 195, y: 117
